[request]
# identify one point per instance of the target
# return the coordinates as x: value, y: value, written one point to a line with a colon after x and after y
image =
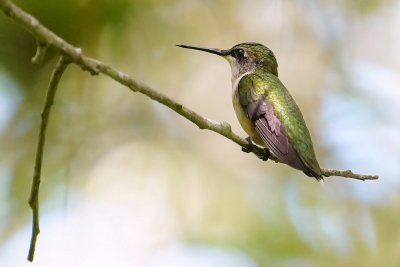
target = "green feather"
x: 266, y: 84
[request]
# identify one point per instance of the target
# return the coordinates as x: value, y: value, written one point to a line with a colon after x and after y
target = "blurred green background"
x: 128, y: 182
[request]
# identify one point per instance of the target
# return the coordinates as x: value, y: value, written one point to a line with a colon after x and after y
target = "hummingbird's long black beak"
x: 216, y: 51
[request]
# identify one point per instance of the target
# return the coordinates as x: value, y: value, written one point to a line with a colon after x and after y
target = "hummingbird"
x: 264, y: 107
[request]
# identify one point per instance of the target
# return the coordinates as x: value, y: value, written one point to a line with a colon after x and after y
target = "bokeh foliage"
x: 218, y: 195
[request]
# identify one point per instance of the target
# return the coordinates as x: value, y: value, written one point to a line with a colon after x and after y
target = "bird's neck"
x: 268, y: 69
x: 236, y: 77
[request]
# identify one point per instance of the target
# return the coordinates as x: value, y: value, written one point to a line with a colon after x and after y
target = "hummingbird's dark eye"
x: 238, y: 53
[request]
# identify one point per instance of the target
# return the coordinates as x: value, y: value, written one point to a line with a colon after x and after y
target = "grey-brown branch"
x: 46, y: 38
x: 34, y: 197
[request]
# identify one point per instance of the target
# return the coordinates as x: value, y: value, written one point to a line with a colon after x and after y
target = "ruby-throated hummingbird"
x: 265, y: 109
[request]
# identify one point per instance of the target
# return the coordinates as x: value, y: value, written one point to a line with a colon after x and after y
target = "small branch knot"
x: 226, y: 127
x: 41, y: 48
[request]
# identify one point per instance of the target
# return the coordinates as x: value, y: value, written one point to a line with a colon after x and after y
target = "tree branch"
x: 34, y: 197
x: 94, y: 66
x: 348, y: 174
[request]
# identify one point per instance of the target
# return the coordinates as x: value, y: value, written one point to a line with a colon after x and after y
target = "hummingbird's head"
x: 245, y: 57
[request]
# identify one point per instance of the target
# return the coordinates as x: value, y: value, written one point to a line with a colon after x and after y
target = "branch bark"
x: 34, y: 197
x: 74, y: 54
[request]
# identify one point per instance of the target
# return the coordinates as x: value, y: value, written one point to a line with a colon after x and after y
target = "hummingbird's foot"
x: 249, y: 147
x: 266, y: 155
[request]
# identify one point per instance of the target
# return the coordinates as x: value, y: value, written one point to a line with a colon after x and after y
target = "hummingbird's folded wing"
x: 273, y: 132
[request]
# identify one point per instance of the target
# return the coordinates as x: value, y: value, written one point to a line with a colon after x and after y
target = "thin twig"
x: 348, y: 174
x: 41, y: 48
x: 34, y: 197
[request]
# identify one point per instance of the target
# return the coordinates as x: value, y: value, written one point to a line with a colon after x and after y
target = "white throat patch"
x: 236, y: 81
x: 235, y: 69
